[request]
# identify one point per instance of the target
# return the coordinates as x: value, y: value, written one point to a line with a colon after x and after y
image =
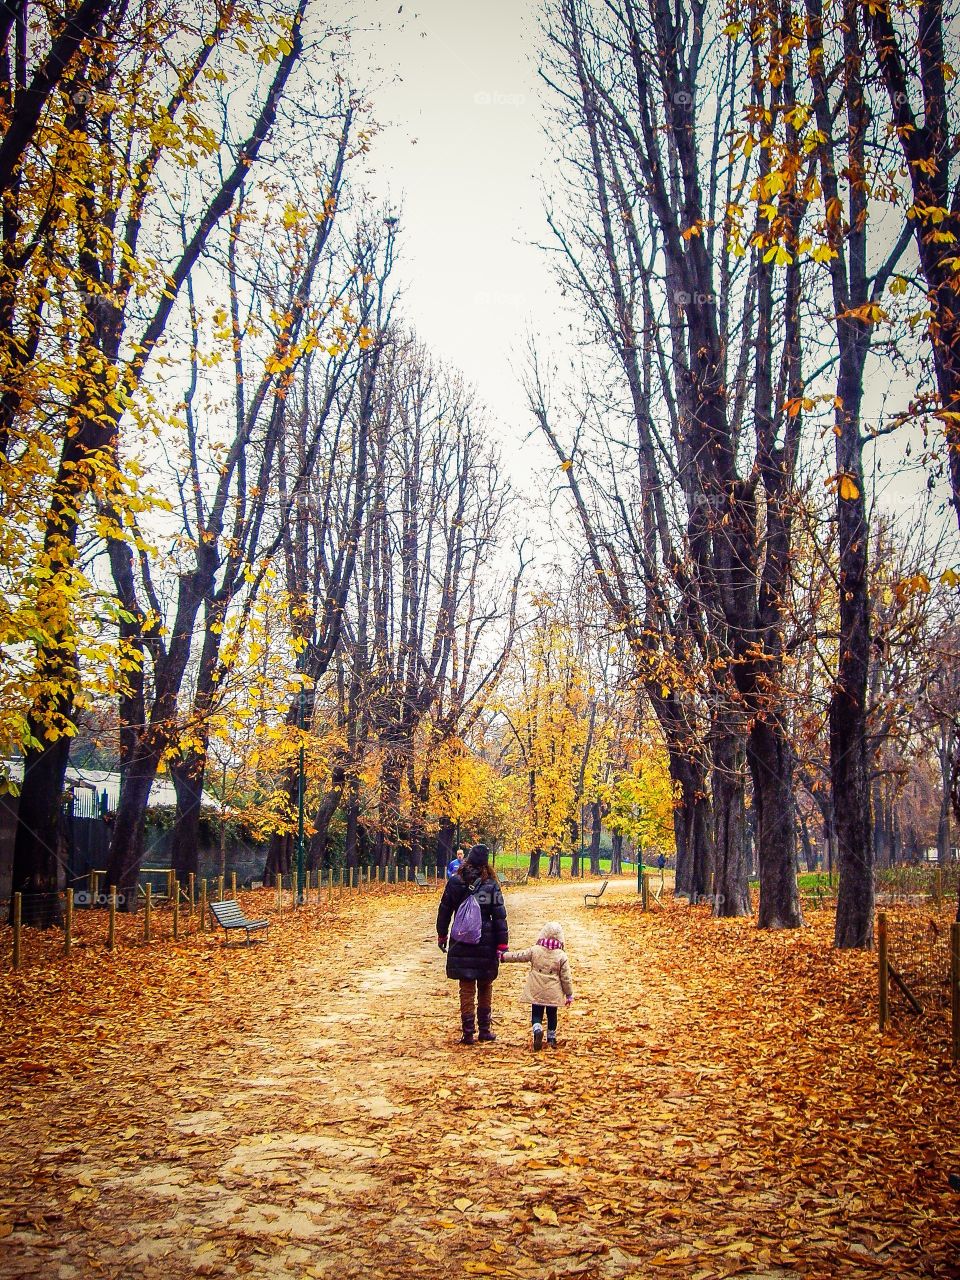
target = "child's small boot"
x: 552, y: 1039
x: 484, y: 1017
x: 469, y: 1024
x: 537, y: 1036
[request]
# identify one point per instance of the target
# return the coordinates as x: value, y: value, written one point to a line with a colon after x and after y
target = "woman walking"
x: 474, y: 965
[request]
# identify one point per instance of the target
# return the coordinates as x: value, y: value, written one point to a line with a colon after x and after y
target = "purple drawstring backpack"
x: 467, y: 923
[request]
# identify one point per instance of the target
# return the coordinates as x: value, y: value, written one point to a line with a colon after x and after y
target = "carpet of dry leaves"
x: 721, y: 1105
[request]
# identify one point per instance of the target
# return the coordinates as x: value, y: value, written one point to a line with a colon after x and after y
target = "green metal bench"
x: 229, y: 915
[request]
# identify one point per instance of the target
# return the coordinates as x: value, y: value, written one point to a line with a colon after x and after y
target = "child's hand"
x: 568, y: 1001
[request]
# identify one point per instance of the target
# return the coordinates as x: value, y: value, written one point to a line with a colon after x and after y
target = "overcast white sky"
x: 462, y: 153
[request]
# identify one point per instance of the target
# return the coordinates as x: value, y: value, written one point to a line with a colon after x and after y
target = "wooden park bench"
x: 421, y: 880
x: 230, y: 916
x: 595, y: 896
x: 514, y: 877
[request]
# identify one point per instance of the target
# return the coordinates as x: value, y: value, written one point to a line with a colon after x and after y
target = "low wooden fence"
x: 184, y: 905
x: 918, y: 974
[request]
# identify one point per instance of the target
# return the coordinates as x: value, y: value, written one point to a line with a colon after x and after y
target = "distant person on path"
x: 548, y: 983
x: 455, y: 863
x: 474, y: 965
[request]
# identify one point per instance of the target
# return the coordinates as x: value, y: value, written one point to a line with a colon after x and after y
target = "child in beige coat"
x: 548, y: 982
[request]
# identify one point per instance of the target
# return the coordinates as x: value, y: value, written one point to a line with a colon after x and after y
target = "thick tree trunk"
x: 36, y: 862
x: 771, y: 768
x: 534, y: 869
x: 577, y: 852
x: 731, y: 889
x: 188, y: 774
x: 596, y: 826
x: 446, y: 841
x: 35, y: 858
x: 279, y: 857
x: 693, y: 826
x: 809, y: 850
x: 849, y: 771
x: 353, y: 836
x: 554, y: 868
x: 324, y: 816
x: 388, y: 835
x: 616, y: 854
x: 126, y: 847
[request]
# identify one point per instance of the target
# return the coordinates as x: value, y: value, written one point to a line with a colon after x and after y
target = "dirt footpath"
x: 332, y: 1127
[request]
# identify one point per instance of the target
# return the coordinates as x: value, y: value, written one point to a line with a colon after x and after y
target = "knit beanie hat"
x: 551, y: 933
x: 479, y: 855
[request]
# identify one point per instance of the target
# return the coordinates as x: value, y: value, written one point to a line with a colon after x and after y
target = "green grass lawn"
x: 521, y: 861
x: 807, y: 881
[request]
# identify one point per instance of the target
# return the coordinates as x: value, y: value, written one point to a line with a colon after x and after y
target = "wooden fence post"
x: 330, y: 884
x: 883, y: 969
x: 955, y: 987
x: 68, y: 924
x: 176, y: 910
x: 233, y: 885
x: 279, y: 885
x: 112, y: 923
x: 203, y: 904
x: 219, y: 888
x: 17, y: 928
x: 645, y: 891
x: 94, y: 887
x: 191, y: 889
x: 147, y: 910
x: 170, y: 885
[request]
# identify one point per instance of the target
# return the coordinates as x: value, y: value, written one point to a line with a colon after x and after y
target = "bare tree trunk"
x: 321, y: 823
x: 446, y: 841
x: 616, y: 854
x: 731, y: 889
x: 693, y: 827
x: 596, y: 825
x: 771, y: 766
x: 809, y: 852
x: 188, y: 774
x: 36, y: 862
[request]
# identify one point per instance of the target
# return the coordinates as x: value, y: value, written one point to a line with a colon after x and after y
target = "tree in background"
x: 121, y: 124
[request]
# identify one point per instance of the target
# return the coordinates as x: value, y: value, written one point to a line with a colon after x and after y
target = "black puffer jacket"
x: 479, y: 961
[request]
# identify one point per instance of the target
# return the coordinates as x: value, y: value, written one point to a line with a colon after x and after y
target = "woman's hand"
x: 442, y: 943
x: 569, y: 1001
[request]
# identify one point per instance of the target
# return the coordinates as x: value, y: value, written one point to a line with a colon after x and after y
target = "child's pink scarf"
x: 551, y: 944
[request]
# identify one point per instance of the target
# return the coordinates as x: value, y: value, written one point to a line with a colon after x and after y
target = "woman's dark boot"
x: 469, y: 1024
x: 484, y: 1017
